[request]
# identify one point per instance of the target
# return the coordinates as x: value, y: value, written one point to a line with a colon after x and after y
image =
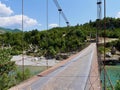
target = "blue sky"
x: 77, y: 12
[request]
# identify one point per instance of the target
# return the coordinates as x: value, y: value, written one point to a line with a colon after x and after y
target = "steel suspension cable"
x: 47, y: 24
x: 105, y: 72
x: 23, y: 39
x: 47, y: 14
x: 104, y: 43
x: 61, y: 11
x: 59, y: 17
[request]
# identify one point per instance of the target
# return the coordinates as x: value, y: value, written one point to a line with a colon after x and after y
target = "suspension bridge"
x: 79, y: 72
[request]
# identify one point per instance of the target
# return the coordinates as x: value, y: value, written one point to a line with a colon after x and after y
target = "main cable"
x: 61, y: 12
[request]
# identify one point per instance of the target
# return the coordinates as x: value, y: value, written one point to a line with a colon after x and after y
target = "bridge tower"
x: 99, y: 9
x: 99, y: 17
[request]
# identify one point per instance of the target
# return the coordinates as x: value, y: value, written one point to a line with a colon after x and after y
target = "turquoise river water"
x: 113, y: 73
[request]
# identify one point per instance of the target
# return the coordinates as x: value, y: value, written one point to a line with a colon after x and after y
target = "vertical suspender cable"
x: 47, y: 24
x: 47, y: 14
x: 104, y: 42
x: 105, y: 72
x: 22, y: 39
x: 59, y: 17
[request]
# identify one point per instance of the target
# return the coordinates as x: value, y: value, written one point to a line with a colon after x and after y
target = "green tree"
x: 117, y: 86
x: 7, y: 68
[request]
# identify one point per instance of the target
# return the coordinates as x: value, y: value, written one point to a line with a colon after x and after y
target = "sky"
x: 76, y: 11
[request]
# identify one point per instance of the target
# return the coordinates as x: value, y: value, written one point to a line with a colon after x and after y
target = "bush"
x: 19, y: 75
x: 117, y: 86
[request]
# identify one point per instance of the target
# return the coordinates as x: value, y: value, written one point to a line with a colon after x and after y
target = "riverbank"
x: 33, y: 61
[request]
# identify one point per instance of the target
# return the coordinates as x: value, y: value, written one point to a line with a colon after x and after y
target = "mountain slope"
x: 3, y: 30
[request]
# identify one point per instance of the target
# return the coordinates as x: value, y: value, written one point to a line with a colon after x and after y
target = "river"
x: 113, y: 73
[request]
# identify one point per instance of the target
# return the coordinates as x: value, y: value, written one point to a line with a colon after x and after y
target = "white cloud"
x: 16, y: 21
x: 118, y: 15
x: 4, y: 10
x: 53, y: 25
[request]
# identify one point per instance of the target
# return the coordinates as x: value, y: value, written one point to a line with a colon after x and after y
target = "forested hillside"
x: 59, y: 40
x: 111, y: 25
x: 48, y: 43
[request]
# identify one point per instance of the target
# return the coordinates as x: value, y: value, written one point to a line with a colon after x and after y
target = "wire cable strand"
x: 62, y: 13
x: 47, y: 14
x: 23, y: 38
